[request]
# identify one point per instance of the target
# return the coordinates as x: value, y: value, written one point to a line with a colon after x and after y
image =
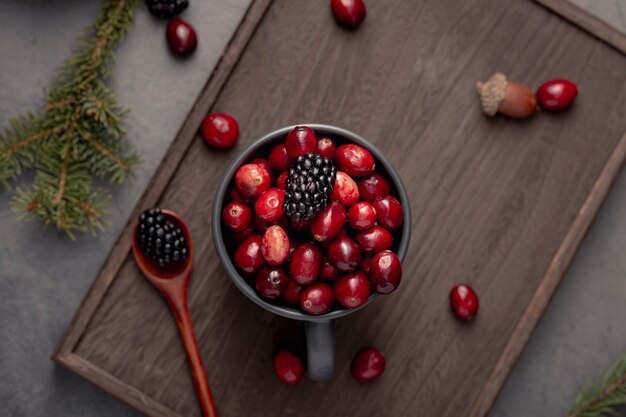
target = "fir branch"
x: 601, y: 398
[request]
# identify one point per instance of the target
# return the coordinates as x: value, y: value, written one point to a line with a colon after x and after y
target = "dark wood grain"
x: 498, y: 203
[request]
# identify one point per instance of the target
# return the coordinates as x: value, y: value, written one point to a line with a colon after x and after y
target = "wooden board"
x: 501, y: 204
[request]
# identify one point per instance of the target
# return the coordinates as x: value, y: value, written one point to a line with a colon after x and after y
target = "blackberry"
x: 310, y: 182
x: 160, y: 239
x: 166, y: 9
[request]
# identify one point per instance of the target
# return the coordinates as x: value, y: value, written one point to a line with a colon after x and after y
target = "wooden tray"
x: 499, y: 203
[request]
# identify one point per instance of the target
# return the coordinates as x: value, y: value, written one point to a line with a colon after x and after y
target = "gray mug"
x: 319, y: 330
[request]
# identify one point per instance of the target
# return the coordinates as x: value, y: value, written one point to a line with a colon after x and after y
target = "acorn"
x: 497, y: 95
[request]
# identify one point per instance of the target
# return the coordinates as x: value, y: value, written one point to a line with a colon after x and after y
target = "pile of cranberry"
x: 334, y: 258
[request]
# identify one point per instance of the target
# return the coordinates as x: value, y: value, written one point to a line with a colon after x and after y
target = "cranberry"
x: 248, y: 257
x: 252, y: 180
x: 300, y: 140
x: 385, y: 272
x: 275, y: 245
x: 345, y: 254
x: 345, y: 190
x: 366, y: 264
x: 374, y: 239
x: 291, y: 294
x: 288, y: 367
x: 271, y: 282
x: 348, y: 13
x: 388, y: 212
x: 220, y: 130
x: 361, y: 216
x: 326, y: 147
x: 237, y: 216
x: 372, y: 186
x: 317, y: 299
x: 556, y: 95
x: 269, y: 206
x: 281, y: 181
x: 329, y: 270
x: 300, y: 225
x: 354, y: 160
x: 279, y: 159
x: 464, y: 301
x: 181, y: 37
x: 368, y: 364
x: 305, y: 263
x: 352, y: 290
x: 329, y: 222
x: 241, y: 236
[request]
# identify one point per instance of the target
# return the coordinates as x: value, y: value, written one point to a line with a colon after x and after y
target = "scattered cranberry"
x: 348, y: 13
x: 281, y: 181
x: 368, y: 364
x: 326, y: 147
x: 237, y: 216
x: 374, y: 239
x: 345, y: 190
x: 354, y: 160
x: 291, y: 294
x: 329, y: 222
x: 300, y: 225
x: 344, y: 254
x: 352, y: 290
x: 279, y: 159
x: 305, y: 263
x: 269, y: 206
x: 241, y: 236
x: 271, y: 282
x: 385, y: 272
x: 557, y: 95
x: 248, y: 257
x: 288, y: 367
x: 252, y: 180
x: 181, y: 37
x: 275, y: 245
x: 361, y: 216
x: 329, y: 270
x: 300, y: 140
x: 317, y: 299
x: 372, y: 186
x: 464, y: 301
x: 388, y: 212
x: 220, y: 130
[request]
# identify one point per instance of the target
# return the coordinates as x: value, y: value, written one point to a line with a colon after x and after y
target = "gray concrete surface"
x: 44, y: 276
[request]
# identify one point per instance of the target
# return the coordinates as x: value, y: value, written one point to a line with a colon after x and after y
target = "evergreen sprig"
x: 76, y: 137
x: 600, y: 398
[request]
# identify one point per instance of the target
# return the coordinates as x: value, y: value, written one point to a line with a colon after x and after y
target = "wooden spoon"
x: 173, y: 282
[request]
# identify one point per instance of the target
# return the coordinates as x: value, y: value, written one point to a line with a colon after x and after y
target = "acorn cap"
x: 492, y: 93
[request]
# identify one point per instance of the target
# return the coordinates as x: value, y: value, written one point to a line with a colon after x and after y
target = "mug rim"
x: 218, y: 203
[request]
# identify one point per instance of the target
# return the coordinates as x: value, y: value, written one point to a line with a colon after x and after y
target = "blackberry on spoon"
x: 166, y: 9
x: 160, y: 239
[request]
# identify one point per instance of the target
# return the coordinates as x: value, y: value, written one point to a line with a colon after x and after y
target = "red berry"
x: 557, y: 95
x: 252, y: 180
x: 291, y: 294
x: 329, y: 270
x: 248, y: 257
x: 348, y: 13
x: 388, y: 212
x: 220, y: 130
x: 372, y: 186
x: 345, y: 191
x: 368, y: 364
x: 361, y: 216
x: 366, y: 264
x: 288, y: 367
x: 181, y: 37
x: 281, y: 181
x: 326, y: 147
x: 300, y: 140
x: 464, y: 301
x: 269, y: 206
x: 317, y: 299
x: 305, y: 263
x: 374, y: 239
x: 385, y: 272
x: 345, y: 254
x: 279, y: 159
x: 354, y: 160
x: 329, y: 222
x: 275, y: 245
x: 352, y: 290
x: 300, y: 225
x: 271, y: 282
x: 237, y: 216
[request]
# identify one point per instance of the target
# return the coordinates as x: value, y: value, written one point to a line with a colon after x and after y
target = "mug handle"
x: 320, y: 346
